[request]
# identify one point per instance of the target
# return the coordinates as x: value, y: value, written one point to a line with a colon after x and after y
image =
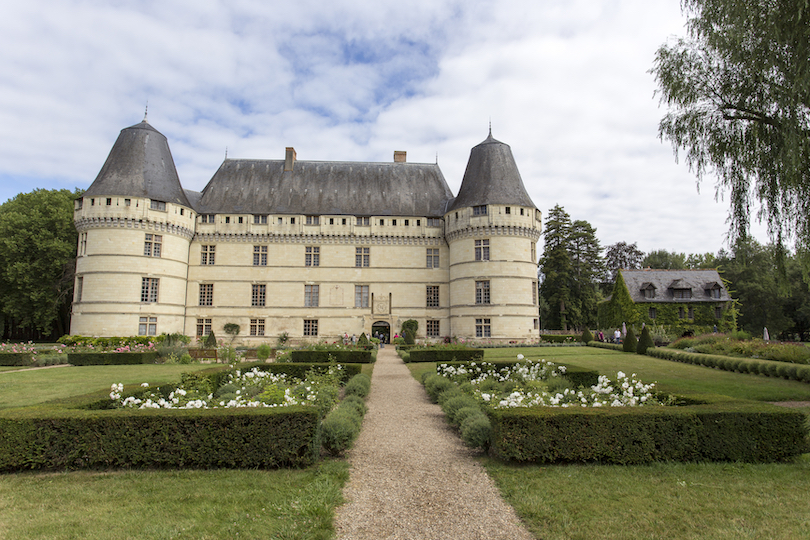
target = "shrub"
x: 409, y: 337
x: 356, y: 402
x: 586, y: 336
x: 359, y: 386
x: 362, y: 341
x: 109, y: 359
x: 411, y: 326
x: 210, y: 341
x: 435, y: 385
x: 454, y: 404
x: 15, y: 359
x: 630, y: 342
x: 645, y: 341
x: 476, y: 431
x: 339, y: 430
x: 232, y: 329
x: 465, y: 412
x: 352, y: 356
x: 263, y: 352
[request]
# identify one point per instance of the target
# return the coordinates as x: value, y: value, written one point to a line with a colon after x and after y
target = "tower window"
x: 482, y: 292
x: 152, y: 245
x: 480, y: 210
x: 207, y: 254
x: 483, y: 328
x: 482, y: 250
x: 149, y: 289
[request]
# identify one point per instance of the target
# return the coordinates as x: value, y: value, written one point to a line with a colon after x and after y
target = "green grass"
x: 30, y: 387
x: 660, y: 501
x: 217, y: 504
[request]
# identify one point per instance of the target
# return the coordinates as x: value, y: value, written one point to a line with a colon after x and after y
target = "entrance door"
x: 381, y: 327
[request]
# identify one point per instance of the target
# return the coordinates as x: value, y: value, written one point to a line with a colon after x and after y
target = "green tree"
x: 38, y: 241
x: 622, y: 255
x: 738, y: 93
x: 571, y: 267
x: 664, y: 260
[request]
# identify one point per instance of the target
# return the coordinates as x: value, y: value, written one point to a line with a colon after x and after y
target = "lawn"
x: 33, y: 386
x: 191, y: 504
x: 711, y: 501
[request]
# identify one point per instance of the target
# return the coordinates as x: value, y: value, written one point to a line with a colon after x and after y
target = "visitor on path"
x: 617, y: 336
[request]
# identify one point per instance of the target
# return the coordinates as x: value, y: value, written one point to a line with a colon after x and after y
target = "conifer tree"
x: 645, y: 341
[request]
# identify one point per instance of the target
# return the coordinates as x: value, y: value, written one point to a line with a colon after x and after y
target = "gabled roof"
x: 666, y: 281
x: 491, y: 177
x: 140, y: 164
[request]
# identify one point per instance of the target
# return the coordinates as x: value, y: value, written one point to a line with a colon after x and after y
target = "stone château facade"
x: 316, y: 249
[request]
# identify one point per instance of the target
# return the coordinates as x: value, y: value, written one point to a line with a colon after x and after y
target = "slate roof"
x: 666, y: 281
x: 256, y: 186
x: 140, y: 164
x: 491, y: 177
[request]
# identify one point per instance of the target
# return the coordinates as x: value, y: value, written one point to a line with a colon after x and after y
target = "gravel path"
x: 411, y: 476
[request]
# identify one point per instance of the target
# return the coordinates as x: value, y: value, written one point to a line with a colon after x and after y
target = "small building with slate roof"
x: 694, y: 301
x: 315, y: 250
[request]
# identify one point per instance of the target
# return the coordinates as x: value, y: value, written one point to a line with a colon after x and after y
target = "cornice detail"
x: 532, y: 233
x: 250, y: 238
x: 83, y: 224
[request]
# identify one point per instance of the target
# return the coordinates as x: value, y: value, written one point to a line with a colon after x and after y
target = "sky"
x: 565, y: 83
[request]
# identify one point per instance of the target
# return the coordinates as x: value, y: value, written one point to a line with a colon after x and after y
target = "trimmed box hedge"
x: 216, y: 438
x: 445, y: 355
x: 15, y: 359
x: 721, y: 429
x: 769, y: 368
x: 110, y: 359
x: 577, y: 375
x: 341, y: 357
x: 559, y: 338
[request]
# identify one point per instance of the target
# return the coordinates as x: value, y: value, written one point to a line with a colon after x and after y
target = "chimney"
x: 289, y: 158
x: 399, y: 156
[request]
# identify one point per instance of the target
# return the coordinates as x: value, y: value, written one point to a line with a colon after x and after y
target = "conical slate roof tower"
x: 491, y: 177
x: 140, y: 164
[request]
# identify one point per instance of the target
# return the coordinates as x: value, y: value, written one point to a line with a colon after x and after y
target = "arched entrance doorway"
x: 381, y: 327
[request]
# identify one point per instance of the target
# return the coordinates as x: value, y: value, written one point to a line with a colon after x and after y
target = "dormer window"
x: 683, y: 294
x: 480, y: 210
x: 157, y: 205
x: 713, y: 290
x: 648, y: 290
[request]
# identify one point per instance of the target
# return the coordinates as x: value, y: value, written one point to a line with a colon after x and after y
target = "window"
x: 203, y: 327
x: 281, y: 221
x: 361, y: 296
x: 343, y: 221
x: 312, y: 256
x: 260, y: 219
x: 147, y: 326
x: 157, y: 205
x: 418, y: 222
x: 362, y: 256
x: 292, y: 221
x: 363, y: 221
x: 311, y: 294
x: 152, y: 245
x: 382, y: 222
x: 652, y: 313
x: 207, y: 218
x: 691, y: 312
x: 227, y: 219
x: 83, y: 244
x: 521, y: 211
x: 681, y: 313
x: 92, y: 202
x: 258, y: 295
x: 149, y: 289
x: 534, y: 293
x: 240, y: 219
x: 432, y: 296
x: 206, y: 294
x: 331, y: 221
x: 536, y: 324
x: 407, y: 222
x: 109, y: 201
x: 534, y: 252
x: 259, y: 255
x: 256, y: 327
x: 79, y: 287
x: 714, y: 293
x: 182, y: 211
x: 79, y: 204
x: 433, y: 257
x: 482, y: 328
x: 313, y: 220
x: 480, y: 210
x: 682, y: 293
x: 718, y: 312
x: 649, y: 292
x: 482, y: 250
x: 432, y: 329
x: 434, y: 222
x: 393, y: 222
x: 508, y: 209
x: 482, y: 292
x: 310, y: 327
x: 207, y: 254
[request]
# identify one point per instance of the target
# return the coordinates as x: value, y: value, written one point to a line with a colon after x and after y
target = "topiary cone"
x: 630, y: 341
x: 645, y: 341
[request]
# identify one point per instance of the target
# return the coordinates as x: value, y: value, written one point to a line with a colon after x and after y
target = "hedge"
x: 559, y: 338
x: 722, y: 430
x: 606, y: 345
x: 15, y: 359
x: 343, y: 357
x: 221, y: 438
x: 770, y: 368
x: 299, y: 370
x: 445, y: 355
x: 577, y: 375
x: 109, y: 359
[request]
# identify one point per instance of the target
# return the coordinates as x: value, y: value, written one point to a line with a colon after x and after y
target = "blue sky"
x: 564, y: 83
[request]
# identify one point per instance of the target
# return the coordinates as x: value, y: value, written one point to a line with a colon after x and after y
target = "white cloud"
x: 565, y: 83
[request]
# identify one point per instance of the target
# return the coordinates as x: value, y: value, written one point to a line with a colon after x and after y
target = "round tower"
x: 492, y: 228
x: 135, y: 226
